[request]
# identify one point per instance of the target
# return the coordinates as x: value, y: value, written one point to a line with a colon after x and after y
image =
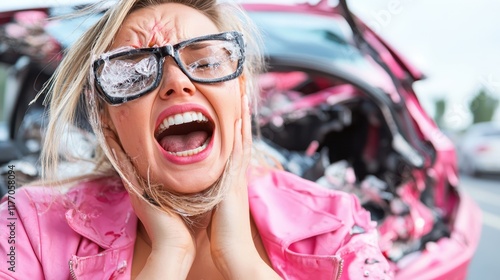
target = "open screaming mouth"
x: 185, y: 134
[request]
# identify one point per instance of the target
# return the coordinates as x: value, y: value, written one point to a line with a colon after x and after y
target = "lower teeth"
x: 191, y: 152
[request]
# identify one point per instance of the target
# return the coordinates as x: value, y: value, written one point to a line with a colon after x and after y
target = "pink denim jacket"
x: 89, y: 232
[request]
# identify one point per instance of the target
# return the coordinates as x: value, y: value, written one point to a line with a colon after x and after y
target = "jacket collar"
x: 277, y: 208
x: 295, y: 219
x: 100, y: 210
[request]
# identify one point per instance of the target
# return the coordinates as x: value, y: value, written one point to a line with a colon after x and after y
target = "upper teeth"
x: 176, y: 119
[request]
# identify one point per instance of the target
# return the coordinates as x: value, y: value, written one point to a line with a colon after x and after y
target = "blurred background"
x: 456, y: 44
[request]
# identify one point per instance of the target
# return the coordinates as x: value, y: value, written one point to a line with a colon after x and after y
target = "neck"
x: 197, y: 225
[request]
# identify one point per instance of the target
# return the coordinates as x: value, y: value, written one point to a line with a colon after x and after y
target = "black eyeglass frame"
x: 170, y: 50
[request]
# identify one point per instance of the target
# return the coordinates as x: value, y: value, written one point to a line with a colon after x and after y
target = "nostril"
x: 169, y: 92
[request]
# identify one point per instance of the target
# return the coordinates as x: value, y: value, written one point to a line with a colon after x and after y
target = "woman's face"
x: 189, y: 156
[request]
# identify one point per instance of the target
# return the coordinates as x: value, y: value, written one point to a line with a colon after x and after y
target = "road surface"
x: 485, y: 190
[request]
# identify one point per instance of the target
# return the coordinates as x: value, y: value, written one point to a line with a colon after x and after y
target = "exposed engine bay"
x: 329, y: 131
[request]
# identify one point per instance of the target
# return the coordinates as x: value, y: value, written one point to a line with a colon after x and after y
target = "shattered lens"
x: 128, y: 75
x: 122, y: 76
x: 212, y: 59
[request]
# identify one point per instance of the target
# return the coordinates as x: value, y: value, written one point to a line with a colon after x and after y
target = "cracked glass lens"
x: 129, y: 74
x: 210, y: 59
x: 125, y: 75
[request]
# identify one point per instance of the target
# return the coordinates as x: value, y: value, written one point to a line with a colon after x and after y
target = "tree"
x: 440, y: 108
x: 483, y: 106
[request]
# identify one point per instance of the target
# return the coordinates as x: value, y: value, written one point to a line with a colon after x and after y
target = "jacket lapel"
x: 299, y: 232
x: 100, y: 210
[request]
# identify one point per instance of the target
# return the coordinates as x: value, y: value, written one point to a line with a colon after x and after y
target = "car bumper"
x: 449, y: 258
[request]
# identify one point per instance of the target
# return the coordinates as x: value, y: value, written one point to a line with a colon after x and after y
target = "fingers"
x: 246, y: 129
x: 229, y: 231
x: 233, y: 210
x: 242, y: 145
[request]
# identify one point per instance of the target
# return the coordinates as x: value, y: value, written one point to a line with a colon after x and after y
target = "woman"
x: 167, y: 87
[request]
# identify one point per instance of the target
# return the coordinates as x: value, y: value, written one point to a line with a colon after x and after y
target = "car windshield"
x: 308, y: 34
x: 324, y: 38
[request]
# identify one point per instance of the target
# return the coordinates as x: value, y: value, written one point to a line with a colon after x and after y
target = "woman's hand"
x: 231, y: 242
x: 172, y: 244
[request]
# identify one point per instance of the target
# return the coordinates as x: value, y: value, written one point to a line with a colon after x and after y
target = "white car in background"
x: 479, y: 149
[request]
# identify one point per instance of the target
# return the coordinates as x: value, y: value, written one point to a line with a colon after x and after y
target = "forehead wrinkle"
x: 143, y: 28
x: 158, y: 31
x: 149, y: 32
x: 160, y: 27
x: 169, y: 33
x: 151, y: 27
x: 132, y: 35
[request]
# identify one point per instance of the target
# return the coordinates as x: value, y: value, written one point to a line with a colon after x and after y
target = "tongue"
x: 180, y: 143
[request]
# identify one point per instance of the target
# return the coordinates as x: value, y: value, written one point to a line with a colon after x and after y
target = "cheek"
x: 119, y: 116
x: 232, y: 107
x: 124, y: 124
x: 231, y: 111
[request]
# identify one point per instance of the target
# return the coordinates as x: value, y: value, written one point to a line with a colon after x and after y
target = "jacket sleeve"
x: 19, y: 237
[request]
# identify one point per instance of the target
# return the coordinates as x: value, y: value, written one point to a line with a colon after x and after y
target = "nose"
x: 174, y: 81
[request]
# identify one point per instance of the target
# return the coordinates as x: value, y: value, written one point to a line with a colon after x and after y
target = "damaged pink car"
x: 340, y: 109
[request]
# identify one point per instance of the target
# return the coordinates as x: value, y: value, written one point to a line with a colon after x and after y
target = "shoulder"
x: 38, y: 217
x: 50, y: 200
x: 23, y: 209
x: 279, y: 184
x: 39, y: 207
x: 310, y: 231
x: 280, y: 195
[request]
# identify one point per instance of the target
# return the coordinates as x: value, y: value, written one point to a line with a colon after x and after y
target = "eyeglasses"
x: 127, y: 75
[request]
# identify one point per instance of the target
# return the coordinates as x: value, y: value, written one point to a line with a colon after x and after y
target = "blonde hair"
x: 71, y: 89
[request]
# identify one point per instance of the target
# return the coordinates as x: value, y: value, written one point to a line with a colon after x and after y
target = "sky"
x: 455, y: 43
